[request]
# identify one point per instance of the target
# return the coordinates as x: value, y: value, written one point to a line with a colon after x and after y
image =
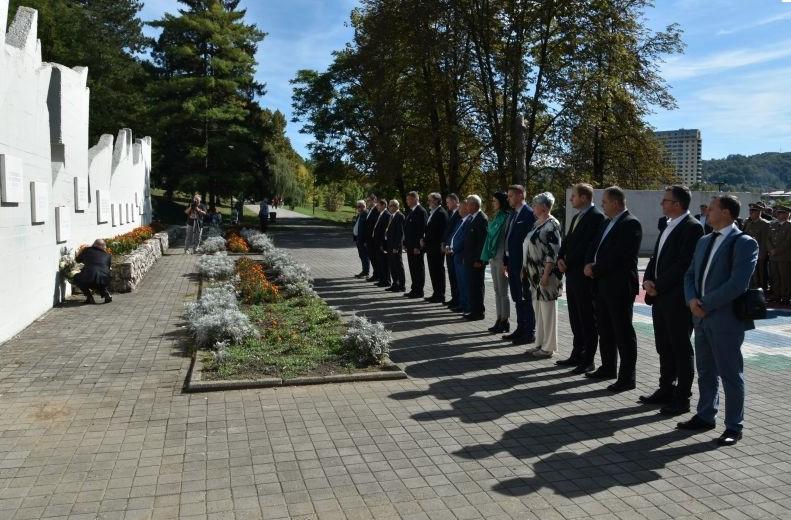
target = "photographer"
x: 195, y: 213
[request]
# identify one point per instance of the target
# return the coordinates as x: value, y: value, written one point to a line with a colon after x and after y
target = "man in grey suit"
x: 720, y: 272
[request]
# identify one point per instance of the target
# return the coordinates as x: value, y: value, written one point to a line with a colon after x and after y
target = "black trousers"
x: 436, y: 271
x: 372, y: 255
x: 362, y: 252
x: 417, y: 271
x: 383, y: 264
x: 397, y: 269
x: 672, y: 332
x: 454, y: 287
x: 582, y: 318
x: 264, y: 223
x: 616, y: 333
x: 475, y: 285
x: 87, y: 288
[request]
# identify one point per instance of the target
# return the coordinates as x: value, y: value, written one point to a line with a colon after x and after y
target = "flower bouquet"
x: 68, y: 265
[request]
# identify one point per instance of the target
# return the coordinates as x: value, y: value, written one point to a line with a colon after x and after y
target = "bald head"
x: 99, y: 243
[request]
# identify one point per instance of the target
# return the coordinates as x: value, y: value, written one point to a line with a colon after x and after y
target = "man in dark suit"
x: 703, y: 218
x: 664, y: 287
x: 454, y: 220
x: 721, y: 269
x: 432, y: 245
x: 370, y: 243
x: 95, y: 273
x: 612, y: 265
x: 414, y: 227
x: 394, y: 240
x: 474, y: 239
x: 456, y: 250
x: 517, y: 228
x: 358, y: 236
x: 379, y: 243
x: 584, y: 229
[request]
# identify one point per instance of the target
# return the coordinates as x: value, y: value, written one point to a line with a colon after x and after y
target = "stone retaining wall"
x: 127, y: 274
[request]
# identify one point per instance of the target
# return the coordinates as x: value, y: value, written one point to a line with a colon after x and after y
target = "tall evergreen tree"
x: 205, y: 59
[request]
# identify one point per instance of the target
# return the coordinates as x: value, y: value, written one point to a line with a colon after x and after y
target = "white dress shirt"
x: 671, y: 224
x: 724, y: 233
x: 431, y: 214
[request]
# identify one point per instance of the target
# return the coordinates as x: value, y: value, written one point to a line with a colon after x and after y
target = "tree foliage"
x: 766, y: 171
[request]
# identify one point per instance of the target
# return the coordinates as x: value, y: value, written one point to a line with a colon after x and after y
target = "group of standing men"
x: 771, y: 228
x: 691, y: 282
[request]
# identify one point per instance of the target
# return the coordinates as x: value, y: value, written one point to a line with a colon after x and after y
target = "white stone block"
x: 80, y: 194
x: 11, y: 179
x: 132, y: 212
x: 114, y: 214
x: 62, y: 223
x: 39, y: 202
x: 120, y: 211
x: 127, y: 214
x: 103, y: 207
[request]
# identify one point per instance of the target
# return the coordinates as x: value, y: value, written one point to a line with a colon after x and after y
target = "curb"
x: 195, y: 383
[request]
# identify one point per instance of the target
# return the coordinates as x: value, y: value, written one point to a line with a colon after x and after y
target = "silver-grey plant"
x: 213, y: 245
x: 215, y: 319
x: 367, y: 341
x: 218, y: 266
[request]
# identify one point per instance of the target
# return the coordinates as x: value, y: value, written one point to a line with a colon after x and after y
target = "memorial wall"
x: 55, y: 190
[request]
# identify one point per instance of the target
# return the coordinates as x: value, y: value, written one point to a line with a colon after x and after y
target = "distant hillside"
x: 765, y: 171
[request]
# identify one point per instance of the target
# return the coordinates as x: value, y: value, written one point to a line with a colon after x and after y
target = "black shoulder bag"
x: 750, y: 305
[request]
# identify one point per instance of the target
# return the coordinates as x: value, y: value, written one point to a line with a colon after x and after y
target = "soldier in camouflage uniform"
x: 780, y: 255
x: 758, y: 228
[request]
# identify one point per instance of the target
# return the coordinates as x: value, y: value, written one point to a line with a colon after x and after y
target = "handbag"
x: 751, y: 304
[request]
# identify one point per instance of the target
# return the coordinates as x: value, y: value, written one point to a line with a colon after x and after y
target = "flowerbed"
x: 262, y: 319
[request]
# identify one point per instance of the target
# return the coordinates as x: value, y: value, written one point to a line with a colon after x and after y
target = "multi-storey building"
x: 684, y: 153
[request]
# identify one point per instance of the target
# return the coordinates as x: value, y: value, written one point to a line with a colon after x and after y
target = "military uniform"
x: 759, y: 230
x: 780, y: 257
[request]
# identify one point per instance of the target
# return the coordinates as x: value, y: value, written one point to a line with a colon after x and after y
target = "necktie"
x: 706, y: 256
x: 574, y: 225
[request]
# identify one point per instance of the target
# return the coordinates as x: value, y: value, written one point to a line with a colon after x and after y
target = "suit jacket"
x: 706, y: 228
x: 516, y: 229
x: 379, y: 230
x: 360, y: 223
x: 615, y: 267
x: 435, y: 230
x: 414, y: 227
x: 96, y: 267
x: 667, y: 270
x: 732, y: 266
x: 450, y: 228
x: 474, y: 238
x: 394, y: 235
x: 575, y: 246
x: 370, y: 223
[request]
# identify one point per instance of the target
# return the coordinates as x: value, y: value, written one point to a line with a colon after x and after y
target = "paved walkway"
x: 93, y: 423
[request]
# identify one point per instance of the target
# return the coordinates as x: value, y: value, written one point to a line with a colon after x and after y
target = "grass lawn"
x: 298, y: 336
x: 345, y: 215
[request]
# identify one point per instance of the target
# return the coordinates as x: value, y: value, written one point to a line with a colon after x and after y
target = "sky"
x: 733, y: 82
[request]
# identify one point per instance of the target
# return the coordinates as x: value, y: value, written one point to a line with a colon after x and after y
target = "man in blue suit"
x: 457, y: 252
x: 517, y: 228
x: 720, y: 272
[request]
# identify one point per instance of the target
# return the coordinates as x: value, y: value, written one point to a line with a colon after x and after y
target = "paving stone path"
x: 93, y: 423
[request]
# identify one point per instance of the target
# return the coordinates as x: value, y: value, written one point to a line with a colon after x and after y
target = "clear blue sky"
x: 733, y: 82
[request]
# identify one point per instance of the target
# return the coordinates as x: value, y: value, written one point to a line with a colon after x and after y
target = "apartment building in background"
x: 684, y: 151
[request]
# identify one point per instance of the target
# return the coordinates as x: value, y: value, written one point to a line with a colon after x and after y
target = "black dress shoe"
x: 361, y: 275
x: 474, y: 317
x: 414, y: 295
x: 621, y: 386
x: 455, y: 309
x: 695, y: 424
x: 108, y: 299
x: 601, y: 374
x: 660, y: 396
x: 383, y: 284
x: 391, y: 288
x: 515, y: 334
x: 675, y: 408
x: 569, y: 362
x: 729, y: 438
x: 90, y: 301
x: 372, y: 279
x: 494, y: 329
x: 451, y: 303
x: 505, y: 326
x: 436, y: 299
x: 582, y: 369
x: 524, y: 339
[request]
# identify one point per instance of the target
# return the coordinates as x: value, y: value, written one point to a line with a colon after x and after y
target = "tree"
x: 107, y: 37
x: 205, y: 59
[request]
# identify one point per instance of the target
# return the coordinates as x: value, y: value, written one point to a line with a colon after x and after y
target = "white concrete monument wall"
x: 644, y: 204
x: 50, y: 179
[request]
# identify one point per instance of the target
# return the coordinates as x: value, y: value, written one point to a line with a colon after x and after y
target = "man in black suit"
x: 454, y: 219
x: 95, y: 273
x: 584, y: 229
x: 474, y: 239
x: 703, y: 218
x: 370, y: 243
x: 612, y: 265
x: 664, y: 287
x: 414, y: 227
x: 516, y: 229
x: 394, y: 240
x: 432, y: 245
x: 379, y: 243
x: 358, y: 236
